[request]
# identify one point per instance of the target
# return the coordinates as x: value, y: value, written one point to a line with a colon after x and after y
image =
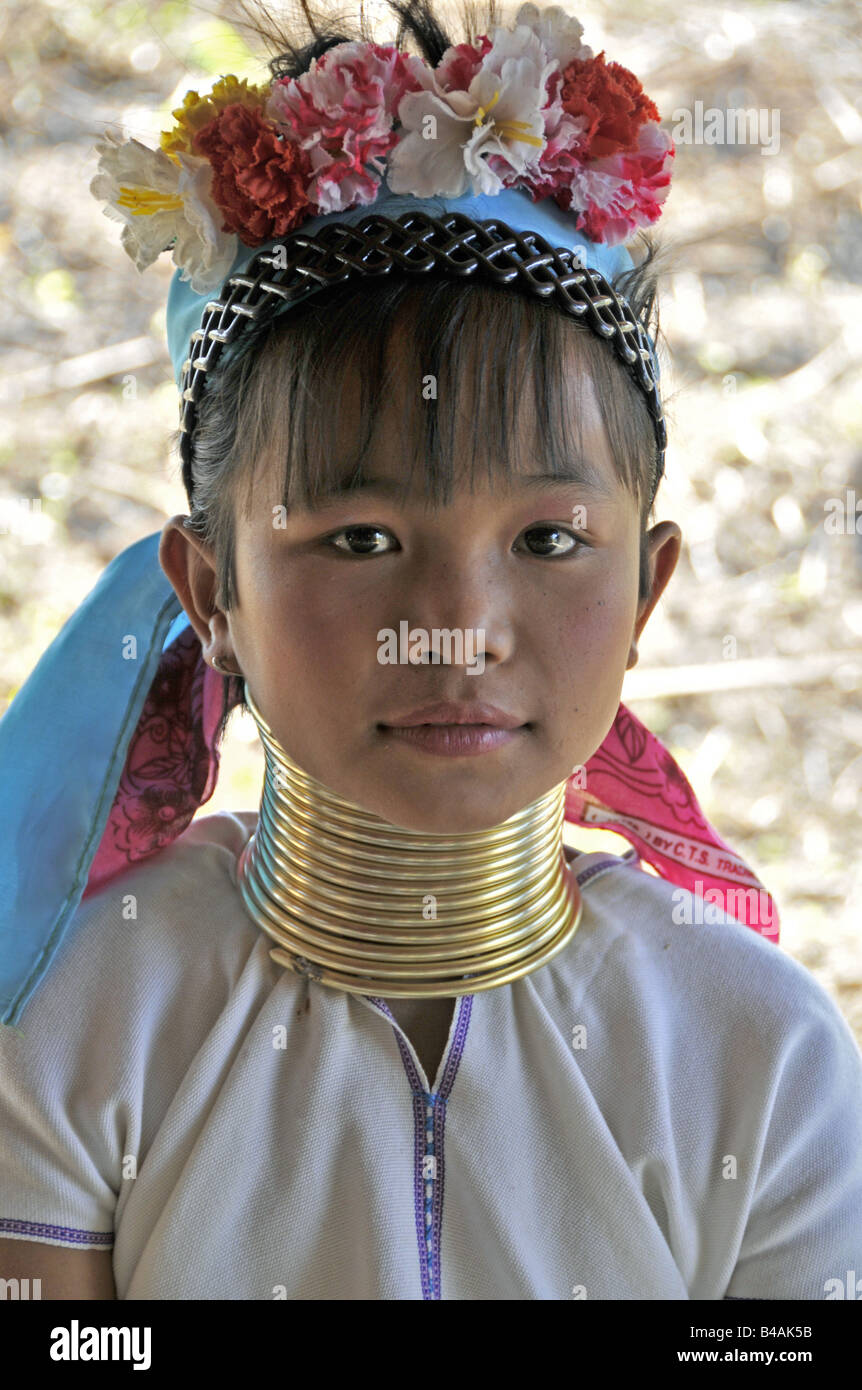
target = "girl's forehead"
x: 467, y: 411
x: 462, y: 387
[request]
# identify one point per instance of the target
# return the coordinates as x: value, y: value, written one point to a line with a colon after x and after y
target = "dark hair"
x: 273, y: 396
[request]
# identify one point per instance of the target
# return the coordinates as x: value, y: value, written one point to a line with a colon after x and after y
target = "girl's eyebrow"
x: 583, y: 475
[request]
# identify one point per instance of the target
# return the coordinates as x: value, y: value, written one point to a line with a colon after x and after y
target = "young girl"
x: 386, y: 1038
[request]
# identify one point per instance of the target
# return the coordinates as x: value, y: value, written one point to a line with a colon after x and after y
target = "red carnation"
x: 259, y: 181
x: 611, y: 99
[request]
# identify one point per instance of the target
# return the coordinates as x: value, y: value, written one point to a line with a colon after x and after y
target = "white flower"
x: 560, y: 37
x: 558, y: 33
x: 160, y: 200
x: 499, y: 117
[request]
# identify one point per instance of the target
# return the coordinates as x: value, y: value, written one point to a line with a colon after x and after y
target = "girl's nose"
x: 463, y: 599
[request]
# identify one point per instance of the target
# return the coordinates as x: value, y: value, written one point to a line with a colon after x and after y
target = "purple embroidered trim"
x: 68, y: 1234
x: 456, y: 1051
x: 424, y: 1148
x: 429, y: 1129
x: 585, y: 875
x: 428, y: 1134
x: 450, y: 1071
x: 419, y: 1103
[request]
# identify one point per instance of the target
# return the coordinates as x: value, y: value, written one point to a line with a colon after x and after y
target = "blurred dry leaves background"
x: 750, y: 668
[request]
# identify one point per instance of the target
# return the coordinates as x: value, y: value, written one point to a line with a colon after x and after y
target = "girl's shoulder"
x: 170, y: 926
x: 228, y: 829
x: 647, y: 941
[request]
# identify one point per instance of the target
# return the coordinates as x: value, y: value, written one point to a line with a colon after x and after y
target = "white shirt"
x: 662, y: 1111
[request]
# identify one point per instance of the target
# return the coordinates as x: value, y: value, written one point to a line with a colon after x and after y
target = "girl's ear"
x: 664, y: 543
x: 189, y: 564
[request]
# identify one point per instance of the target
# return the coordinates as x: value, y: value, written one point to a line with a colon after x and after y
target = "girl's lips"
x: 456, y: 712
x: 452, y: 740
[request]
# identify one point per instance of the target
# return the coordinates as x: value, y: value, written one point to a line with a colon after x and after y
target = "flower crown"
x: 532, y: 109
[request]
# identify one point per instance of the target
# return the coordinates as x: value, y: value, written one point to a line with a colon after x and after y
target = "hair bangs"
x: 329, y: 376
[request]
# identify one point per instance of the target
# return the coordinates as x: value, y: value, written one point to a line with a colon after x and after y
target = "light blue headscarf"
x: 64, y: 738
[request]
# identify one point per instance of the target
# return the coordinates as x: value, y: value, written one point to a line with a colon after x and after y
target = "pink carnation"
x: 626, y: 190
x: 342, y: 112
x: 615, y: 195
x: 460, y: 63
x: 564, y: 154
x: 562, y: 159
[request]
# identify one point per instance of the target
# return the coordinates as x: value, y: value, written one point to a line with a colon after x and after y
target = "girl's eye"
x: 555, y: 537
x: 361, y: 540
x: 364, y: 536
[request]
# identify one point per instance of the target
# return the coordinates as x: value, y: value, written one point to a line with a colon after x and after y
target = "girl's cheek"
x: 601, y: 621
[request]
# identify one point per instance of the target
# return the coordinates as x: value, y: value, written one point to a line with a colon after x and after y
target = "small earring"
x: 221, y: 670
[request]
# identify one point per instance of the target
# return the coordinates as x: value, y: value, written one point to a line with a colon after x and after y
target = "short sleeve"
x: 100, y: 1049
x: 803, y: 1235
x: 65, y: 1090
x: 58, y: 1150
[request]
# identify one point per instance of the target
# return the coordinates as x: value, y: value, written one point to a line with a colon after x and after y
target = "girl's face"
x: 536, y: 581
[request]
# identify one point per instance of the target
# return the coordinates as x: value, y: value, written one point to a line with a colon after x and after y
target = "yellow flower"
x: 197, y: 111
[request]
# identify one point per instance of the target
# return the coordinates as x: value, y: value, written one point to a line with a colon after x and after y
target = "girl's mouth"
x: 452, y: 740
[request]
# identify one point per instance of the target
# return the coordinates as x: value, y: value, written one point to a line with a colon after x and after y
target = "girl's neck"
x: 373, y: 908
